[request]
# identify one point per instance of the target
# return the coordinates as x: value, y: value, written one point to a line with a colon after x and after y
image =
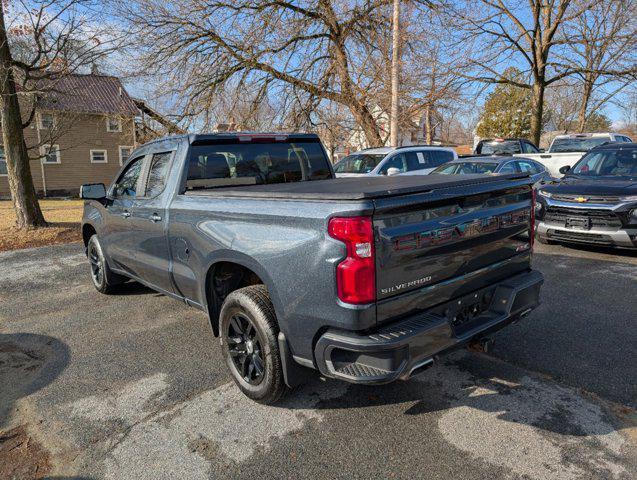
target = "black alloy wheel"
x: 244, y: 346
x: 97, y: 272
x: 250, y: 345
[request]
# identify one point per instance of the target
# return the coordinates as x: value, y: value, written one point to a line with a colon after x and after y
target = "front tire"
x: 103, y: 278
x: 249, y: 331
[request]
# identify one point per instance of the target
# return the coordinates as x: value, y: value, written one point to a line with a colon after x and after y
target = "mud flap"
x: 293, y: 373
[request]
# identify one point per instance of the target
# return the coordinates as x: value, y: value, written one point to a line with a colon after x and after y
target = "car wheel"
x: 103, y: 278
x: 249, y: 330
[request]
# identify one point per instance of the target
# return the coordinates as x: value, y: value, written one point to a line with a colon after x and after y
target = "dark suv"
x: 596, y: 200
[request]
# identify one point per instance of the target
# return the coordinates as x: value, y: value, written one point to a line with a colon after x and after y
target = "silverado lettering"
x: 467, y: 230
x: 402, y: 286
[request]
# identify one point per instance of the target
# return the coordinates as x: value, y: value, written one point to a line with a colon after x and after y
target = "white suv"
x: 413, y: 160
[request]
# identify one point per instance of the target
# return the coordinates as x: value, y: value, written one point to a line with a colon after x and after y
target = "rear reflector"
x: 356, y: 274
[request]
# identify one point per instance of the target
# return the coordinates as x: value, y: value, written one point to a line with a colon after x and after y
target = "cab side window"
x: 397, y: 161
x: 527, y: 167
x: 508, y: 168
x: 440, y: 157
x: 414, y: 161
x: 158, y: 173
x: 126, y: 185
x: 528, y: 148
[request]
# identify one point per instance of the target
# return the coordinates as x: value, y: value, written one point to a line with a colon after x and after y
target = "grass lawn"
x: 64, y: 217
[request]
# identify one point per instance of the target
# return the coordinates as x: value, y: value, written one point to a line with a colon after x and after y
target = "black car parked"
x: 595, y: 202
x: 495, y: 164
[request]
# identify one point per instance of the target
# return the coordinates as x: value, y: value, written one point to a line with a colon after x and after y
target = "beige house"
x: 83, y: 130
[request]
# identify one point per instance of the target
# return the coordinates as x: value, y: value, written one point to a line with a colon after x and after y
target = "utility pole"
x: 395, y: 76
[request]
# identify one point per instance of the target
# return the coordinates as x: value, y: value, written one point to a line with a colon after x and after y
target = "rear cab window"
x: 232, y: 162
x: 577, y: 144
x: 498, y: 147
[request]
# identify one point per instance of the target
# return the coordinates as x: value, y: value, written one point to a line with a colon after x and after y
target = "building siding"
x: 82, y: 133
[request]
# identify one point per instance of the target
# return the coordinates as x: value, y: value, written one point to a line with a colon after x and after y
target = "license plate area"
x: 580, y: 223
x: 469, y: 311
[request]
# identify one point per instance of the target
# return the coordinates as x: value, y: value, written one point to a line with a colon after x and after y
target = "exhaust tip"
x: 421, y: 367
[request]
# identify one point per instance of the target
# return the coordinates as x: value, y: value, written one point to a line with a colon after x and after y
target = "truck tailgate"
x: 434, y: 247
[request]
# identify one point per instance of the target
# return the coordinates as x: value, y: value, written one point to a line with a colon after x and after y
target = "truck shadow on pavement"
x: 477, y: 386
x: 28, y: 363
x: 132, y: 288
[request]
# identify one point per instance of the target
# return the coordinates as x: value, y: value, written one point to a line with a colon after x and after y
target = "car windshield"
x: 494, y: 147
x: 608, y: 163
x: 232, y: 163
x: 359, y: 163
x: 466, y: 168
x: 576, y: 144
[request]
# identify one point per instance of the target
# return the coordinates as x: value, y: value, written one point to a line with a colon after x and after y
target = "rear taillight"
x: 532, y: 232
x: 356, y: 275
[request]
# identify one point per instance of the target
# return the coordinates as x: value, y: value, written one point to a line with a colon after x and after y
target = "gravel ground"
x: 133, y: 386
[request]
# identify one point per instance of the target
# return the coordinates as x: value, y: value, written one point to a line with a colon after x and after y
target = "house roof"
x: 89, y: 94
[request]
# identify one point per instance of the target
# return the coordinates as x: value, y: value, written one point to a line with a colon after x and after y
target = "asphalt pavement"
x: 133, y: 386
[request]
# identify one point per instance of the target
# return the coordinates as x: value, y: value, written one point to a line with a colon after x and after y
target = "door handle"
x: 155, y: 218
x: 125, y: 214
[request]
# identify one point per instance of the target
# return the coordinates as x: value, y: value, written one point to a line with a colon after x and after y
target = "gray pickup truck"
x: 366, y: 280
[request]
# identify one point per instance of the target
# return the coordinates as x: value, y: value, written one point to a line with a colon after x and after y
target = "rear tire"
x: 249, y: 342
x: 103, y: 278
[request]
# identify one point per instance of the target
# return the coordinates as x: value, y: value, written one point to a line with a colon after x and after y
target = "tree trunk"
x: 366, y: 121
x: 25, y: 202
x: 394, y: 133
x: 581, y: 114
x: 537, y: 111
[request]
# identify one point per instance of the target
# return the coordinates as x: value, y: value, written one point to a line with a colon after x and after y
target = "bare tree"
x: 603, y: 50
x: 51, y: 39
x: 533, y: 35
x: 434, y: 82
x: 563, y: 104
x: 334, y: 125
x: 320, y: 49
x: 25, y: 203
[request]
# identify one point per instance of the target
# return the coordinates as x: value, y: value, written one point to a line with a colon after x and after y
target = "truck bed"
x: 355, y: 188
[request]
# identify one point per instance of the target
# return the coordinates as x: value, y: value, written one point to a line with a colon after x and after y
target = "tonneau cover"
x: 360, y: 188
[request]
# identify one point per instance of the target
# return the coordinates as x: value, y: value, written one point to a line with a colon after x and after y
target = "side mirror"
x: 542, y: 150
x: 93, y: 191
x: 392, y: 171
x: 564, y: 169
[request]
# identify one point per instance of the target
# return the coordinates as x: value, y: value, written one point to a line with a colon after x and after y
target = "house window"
x: 124, y: 153
x: 46, y: 121
x: 3, y: 163
x: 50, y: 153
x: 113, y: 125
x: 98, y: 156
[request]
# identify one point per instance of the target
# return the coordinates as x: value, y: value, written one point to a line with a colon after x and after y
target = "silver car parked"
x: 412, y: 160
